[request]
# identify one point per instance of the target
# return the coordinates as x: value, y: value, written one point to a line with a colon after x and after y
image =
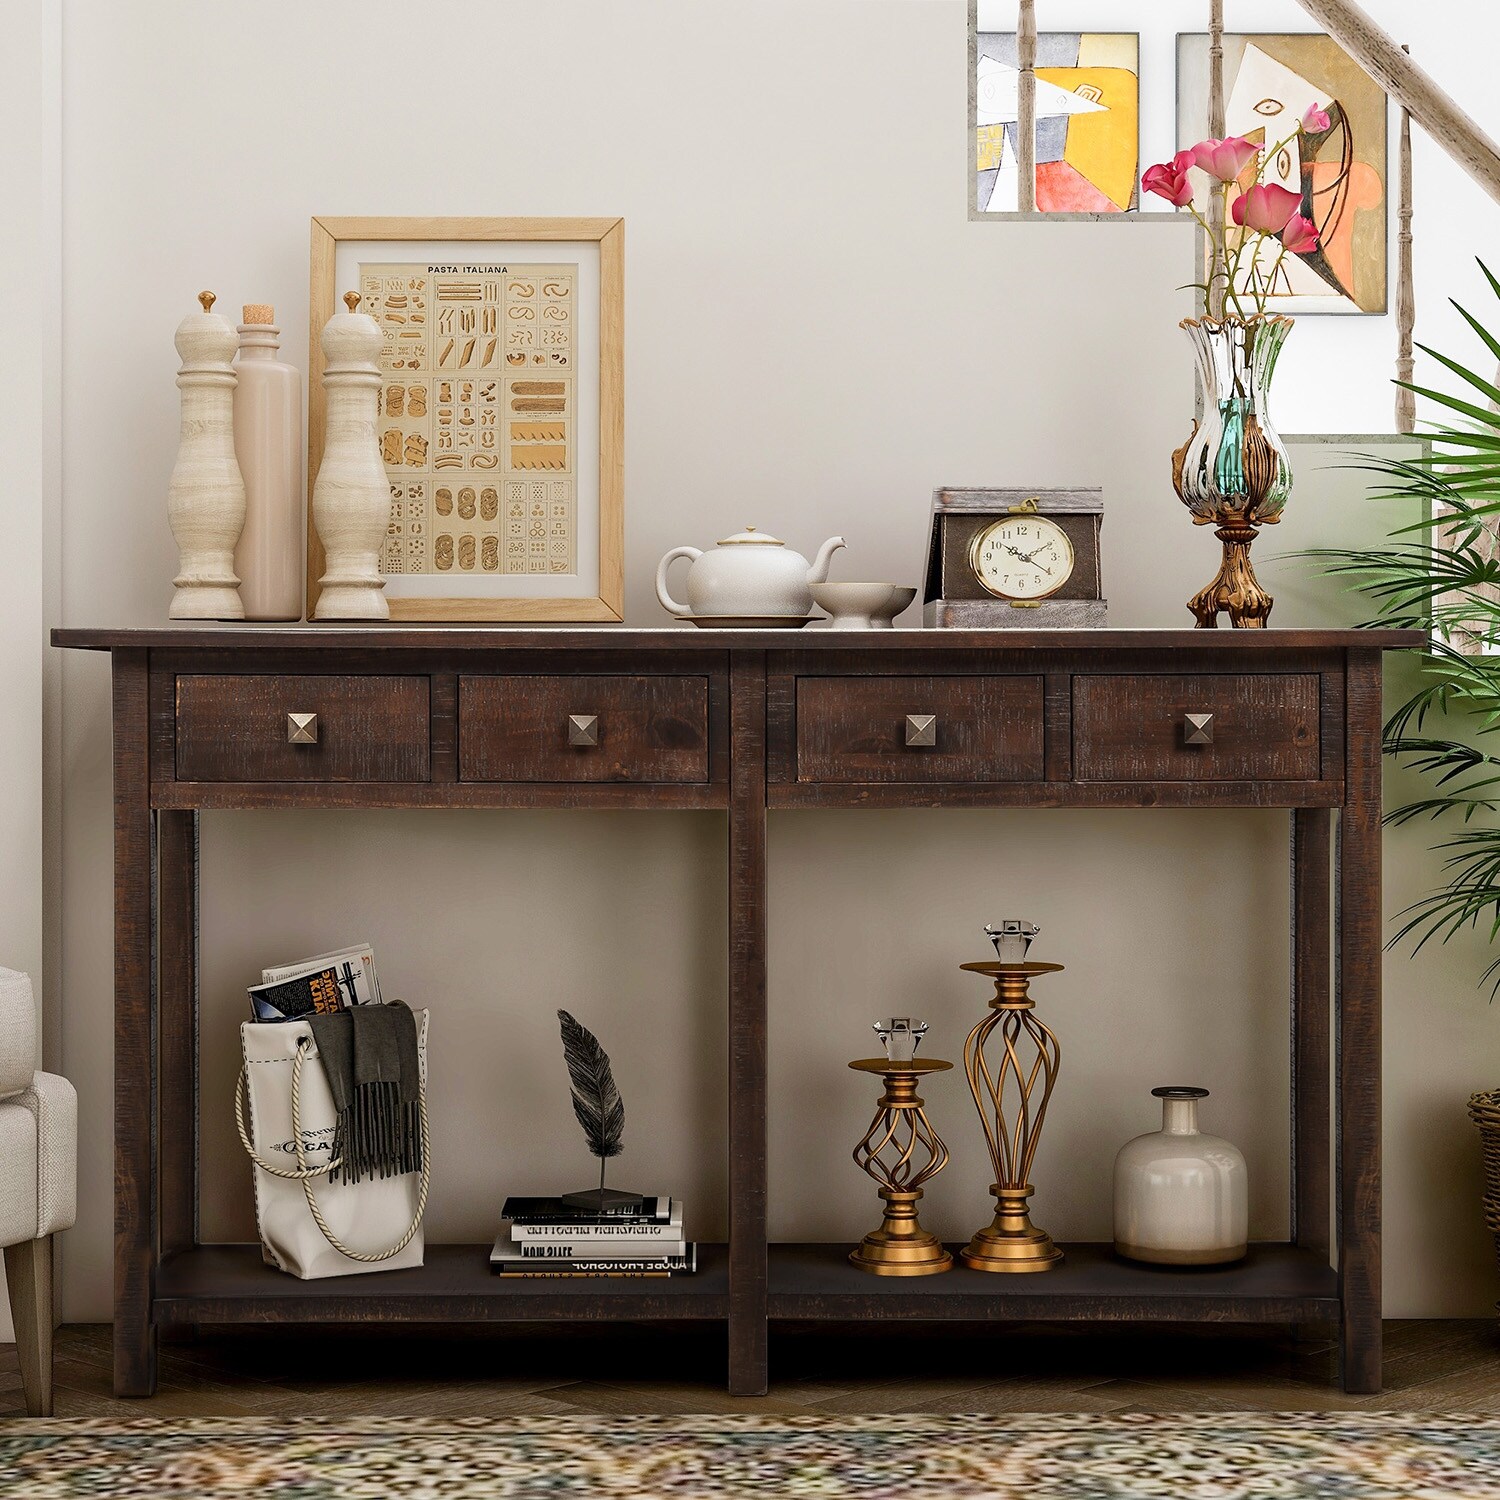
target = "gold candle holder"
x: 1012, y: 1242
x: 901, y: 1247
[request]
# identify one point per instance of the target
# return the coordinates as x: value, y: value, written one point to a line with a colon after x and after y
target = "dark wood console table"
x: 744, y: 722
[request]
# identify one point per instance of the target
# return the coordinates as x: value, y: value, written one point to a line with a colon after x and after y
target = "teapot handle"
x: 668, y: 603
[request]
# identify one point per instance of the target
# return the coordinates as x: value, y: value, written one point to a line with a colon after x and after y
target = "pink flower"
x: 1316, y: 119
x: 1225, y: 159
x: 1300, y: 235
x: 1265, y: 208
x: 1169, y: 179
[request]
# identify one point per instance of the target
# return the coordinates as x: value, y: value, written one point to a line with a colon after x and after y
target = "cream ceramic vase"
x: 351, y: 498
x: 268, y: 444
x: 1180, y: 1196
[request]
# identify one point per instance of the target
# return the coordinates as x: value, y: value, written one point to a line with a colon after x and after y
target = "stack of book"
x: 547, y: 1237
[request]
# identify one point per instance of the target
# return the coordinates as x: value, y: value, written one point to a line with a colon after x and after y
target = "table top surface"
x: 685, y: 637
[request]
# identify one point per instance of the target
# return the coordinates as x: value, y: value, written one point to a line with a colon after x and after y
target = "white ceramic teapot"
x: 746, y: 575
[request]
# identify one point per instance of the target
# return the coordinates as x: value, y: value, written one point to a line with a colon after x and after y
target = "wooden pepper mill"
x: 351, y: 500
x: 206, y: 495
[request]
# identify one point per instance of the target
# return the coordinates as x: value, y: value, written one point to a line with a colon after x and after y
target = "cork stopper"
x: 351, y: 300
x: 258, y: 312
x: 207, y: 299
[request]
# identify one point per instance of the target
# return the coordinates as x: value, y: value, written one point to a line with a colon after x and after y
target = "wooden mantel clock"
x: 1023, y: 559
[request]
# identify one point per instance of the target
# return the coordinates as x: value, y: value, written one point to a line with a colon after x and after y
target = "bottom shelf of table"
x: 231, y: 1284
x: 1275, y: 1283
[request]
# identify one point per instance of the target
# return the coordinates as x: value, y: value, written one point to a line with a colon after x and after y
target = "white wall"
x: 28, y: 312
x: 816, y: 336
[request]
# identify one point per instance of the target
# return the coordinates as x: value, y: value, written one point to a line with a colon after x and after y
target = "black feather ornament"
x: 600, y: 1110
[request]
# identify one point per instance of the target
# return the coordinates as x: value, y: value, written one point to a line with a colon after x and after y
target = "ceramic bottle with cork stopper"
x: 206, y: 495
x: 268, y: 443
x: 351, y: 499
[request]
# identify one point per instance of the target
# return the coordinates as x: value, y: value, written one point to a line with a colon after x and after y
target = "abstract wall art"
x: 1270, y: 82
x: 1087, y: 122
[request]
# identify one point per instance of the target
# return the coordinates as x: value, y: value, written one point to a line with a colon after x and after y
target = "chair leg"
x: 28, y: 1278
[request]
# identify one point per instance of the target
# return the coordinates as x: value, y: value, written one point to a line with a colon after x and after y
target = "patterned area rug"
x: 1205, y: 1456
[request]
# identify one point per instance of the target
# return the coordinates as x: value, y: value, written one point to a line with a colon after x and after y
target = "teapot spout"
x: 818, y: 573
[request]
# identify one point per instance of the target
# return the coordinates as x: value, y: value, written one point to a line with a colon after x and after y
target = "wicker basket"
x: 1484, y: 1110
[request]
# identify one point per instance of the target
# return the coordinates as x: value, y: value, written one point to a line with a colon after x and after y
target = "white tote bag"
x: 309, y: 1226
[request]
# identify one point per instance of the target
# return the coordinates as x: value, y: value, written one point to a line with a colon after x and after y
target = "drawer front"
x: 873, y: 729
x: 641, y: 729
x: 239, y: 728
x: 1137, y: 728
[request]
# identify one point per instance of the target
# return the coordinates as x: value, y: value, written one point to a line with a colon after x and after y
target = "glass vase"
x: 1233, y: 472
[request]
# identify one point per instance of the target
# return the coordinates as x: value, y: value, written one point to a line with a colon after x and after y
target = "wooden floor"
x: 1429, y: 1366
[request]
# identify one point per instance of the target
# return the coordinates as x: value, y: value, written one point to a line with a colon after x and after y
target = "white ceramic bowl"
x: 862, y: 606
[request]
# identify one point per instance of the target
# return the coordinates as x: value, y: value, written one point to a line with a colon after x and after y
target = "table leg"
x: 1359, y: 1053
x: 135, y: 1041
x: 1311, y: 1026
x: 177, y: 1019
x: 747, y: 1027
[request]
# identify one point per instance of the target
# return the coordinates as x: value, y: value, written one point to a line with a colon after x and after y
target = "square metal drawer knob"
x: 583, y: 729
x: 302, y: 729
x: 1197, y: 729
x: 921, y: 731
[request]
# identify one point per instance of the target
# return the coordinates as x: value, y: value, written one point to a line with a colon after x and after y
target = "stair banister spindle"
x: 1406, y: 297
x: 1217, y: 292
x: 1026, y: 109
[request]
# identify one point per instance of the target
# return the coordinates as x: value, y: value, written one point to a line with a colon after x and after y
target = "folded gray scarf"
x: 369, y: 1053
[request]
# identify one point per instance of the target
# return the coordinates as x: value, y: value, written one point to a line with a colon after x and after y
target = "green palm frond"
x: 1439, y: 572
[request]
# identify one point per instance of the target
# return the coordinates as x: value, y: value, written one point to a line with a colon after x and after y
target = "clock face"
x: 1022, y: 557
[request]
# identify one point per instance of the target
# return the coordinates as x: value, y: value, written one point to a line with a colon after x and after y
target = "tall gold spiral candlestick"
x: 1026, y: 1059
x: 901, y: 1130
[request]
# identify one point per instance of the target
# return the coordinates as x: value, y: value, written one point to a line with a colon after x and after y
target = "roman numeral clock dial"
x: 1022, y: 558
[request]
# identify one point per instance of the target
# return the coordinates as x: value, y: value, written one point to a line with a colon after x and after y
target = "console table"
x: 745, y: 722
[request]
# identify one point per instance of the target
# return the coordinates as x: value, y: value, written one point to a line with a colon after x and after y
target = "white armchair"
x: 38, y: 1182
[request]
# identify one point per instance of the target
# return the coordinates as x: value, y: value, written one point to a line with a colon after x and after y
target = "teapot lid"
x: 751, y: 537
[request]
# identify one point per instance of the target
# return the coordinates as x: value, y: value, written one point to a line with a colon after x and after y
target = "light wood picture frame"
x: 593, y: 588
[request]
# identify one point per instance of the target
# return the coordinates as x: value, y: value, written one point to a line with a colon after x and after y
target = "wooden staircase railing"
x: 1389, y: 65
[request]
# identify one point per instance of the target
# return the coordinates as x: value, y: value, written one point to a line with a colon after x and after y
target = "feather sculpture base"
x: 605, y: 1201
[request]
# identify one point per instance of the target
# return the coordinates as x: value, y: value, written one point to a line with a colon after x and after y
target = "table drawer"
x: 868, y: 729
x: 241, y: 728
x: 614, y: 728
x: 1261, y: 727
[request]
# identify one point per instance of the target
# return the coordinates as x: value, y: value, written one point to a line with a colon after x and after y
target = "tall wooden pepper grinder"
x: 206, y: 495
x: 351, y: 500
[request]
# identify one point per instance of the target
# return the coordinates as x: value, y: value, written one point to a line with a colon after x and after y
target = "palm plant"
x: 1440, y: 573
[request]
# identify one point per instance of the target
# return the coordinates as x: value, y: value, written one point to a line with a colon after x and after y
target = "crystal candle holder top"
x: 900, y: 1036
x: 1011, y: 938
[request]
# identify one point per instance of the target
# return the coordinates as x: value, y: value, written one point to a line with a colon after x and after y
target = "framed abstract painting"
x: 1087, y: 123
x: 1341, y: 174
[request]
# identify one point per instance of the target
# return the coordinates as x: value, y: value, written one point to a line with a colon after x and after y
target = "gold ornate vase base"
x: 901, y: 1247
x: 1235, y: 589
x: 1011, y: 1242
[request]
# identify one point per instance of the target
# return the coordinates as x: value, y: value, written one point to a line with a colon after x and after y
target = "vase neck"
x: 1179, y: 1116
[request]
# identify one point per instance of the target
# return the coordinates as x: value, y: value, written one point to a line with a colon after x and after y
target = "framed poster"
x: 1341, y: 174
x: 501, y: 416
